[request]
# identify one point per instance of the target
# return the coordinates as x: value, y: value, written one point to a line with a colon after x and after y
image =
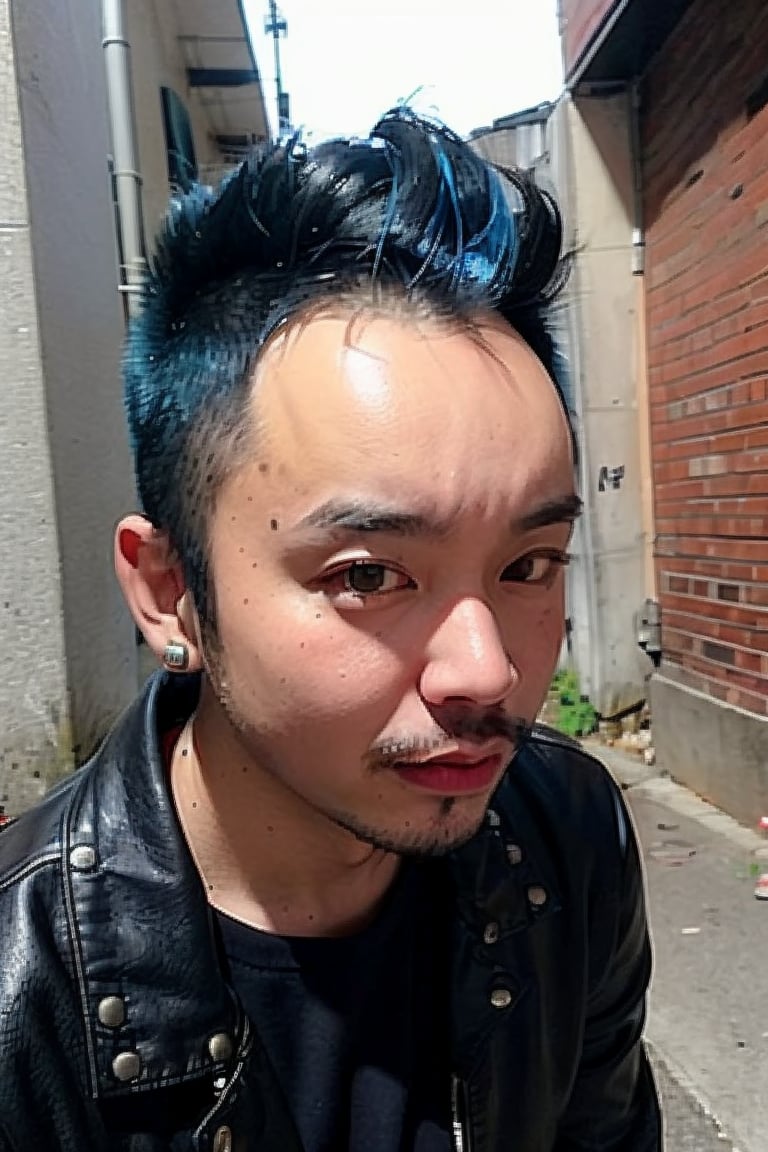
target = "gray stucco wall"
x: 67, y: 656
x: 592, y: 169
x: 585, y: 155
x: 718, y: 751
x: 33, y: 699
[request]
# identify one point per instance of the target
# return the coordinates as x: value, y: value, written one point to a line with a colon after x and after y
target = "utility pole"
x: 275, y: 23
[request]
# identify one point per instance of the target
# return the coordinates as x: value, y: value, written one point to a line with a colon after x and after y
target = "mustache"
x: 477, y: 729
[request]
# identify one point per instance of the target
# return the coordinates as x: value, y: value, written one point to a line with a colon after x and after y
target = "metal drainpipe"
x: 643, y: 398
x: 592, y: 682
x: 126, y: 173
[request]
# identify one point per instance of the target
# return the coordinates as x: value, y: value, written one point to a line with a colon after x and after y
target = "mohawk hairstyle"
x: 412, y: 209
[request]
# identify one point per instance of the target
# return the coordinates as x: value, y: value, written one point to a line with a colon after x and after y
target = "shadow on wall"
x: 709, y: 44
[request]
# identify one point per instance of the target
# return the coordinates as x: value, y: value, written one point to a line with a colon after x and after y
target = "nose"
x: 467, y: 660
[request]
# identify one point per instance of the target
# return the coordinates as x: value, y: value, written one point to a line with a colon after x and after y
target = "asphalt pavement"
x: 708, y: 1014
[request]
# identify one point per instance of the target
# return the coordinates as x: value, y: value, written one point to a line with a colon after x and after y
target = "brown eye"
x: 363, y: 580
x: 535, y: 568
x: 368, y: 579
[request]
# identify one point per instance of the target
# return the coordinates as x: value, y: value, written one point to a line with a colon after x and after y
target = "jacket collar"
x: 507, y: 886
x: 152, y: 993
x: 140, y: 925
x: 506, y: 875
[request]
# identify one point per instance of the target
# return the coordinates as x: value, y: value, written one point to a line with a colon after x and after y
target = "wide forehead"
x: 383, y: 404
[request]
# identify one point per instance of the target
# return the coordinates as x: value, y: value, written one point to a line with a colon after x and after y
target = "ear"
x: 152, y: 580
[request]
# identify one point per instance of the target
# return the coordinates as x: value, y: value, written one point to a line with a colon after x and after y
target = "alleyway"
x: 708, y: 1021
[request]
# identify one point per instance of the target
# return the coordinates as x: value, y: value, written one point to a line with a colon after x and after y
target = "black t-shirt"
x: 357, y: 1028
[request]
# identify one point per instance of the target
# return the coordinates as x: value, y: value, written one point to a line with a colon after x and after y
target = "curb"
x: 666, y: 1072
x: 655, y: 785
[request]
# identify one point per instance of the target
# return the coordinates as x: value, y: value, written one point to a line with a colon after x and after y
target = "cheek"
x: 536, y: 641
x: 306, y: 660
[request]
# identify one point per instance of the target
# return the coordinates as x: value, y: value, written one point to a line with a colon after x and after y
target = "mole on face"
x: 273, y: 525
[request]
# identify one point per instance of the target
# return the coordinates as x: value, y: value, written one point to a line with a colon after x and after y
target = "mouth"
x: 453, y: 774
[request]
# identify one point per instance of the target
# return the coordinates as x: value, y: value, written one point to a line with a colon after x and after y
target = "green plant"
x: 575, y: 715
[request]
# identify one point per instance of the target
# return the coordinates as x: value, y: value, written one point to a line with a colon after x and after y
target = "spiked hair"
x: 411, y: 211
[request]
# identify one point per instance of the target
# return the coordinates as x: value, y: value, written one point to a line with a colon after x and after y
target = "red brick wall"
x: 705, y: 168
x: 581, y: 20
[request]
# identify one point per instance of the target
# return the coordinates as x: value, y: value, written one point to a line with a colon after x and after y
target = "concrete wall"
x: 592, y: 168
x: 523, y: 146
x: 33, y: 696
x: 78, y: 445
x: 68, y: 658
x: 585, y: 155
x: 719, y: 751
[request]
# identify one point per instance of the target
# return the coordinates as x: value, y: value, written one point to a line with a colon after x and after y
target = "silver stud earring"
x: 175, y: 656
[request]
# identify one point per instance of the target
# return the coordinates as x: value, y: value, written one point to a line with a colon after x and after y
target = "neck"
x: 265, y: 856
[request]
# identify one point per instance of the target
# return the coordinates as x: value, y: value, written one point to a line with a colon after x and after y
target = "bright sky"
x: 344, y: 62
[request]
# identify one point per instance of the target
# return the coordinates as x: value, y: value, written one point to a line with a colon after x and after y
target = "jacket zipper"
x: 461, y: 1141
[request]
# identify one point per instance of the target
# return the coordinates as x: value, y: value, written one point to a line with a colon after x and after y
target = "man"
x: 323, y: 888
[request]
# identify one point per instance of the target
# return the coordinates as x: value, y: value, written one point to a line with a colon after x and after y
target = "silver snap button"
x: 537, y: 896
x: 491, y: 933
x: 127, y: 1065
x: 111, y: 1011
x: 514, y: 853
x: 501, y: 997
x: 222, y: 1140
x: 492, y: 818
x: 220, y: 1047
x: 82, y: 858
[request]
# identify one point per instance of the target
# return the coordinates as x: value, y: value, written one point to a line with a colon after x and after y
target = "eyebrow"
x: 565, y: 509
x: 361, y: 517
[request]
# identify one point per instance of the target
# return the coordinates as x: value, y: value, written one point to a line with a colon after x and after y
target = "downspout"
x: 591, y: 676
x: 641, y: 358
x: 126, y: 174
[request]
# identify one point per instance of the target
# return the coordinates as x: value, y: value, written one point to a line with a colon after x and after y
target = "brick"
x: 750, y: 485
x: 753, y: 550
x: 750, y: 661
x: 752, y: 509
x: 723, y: 414
x: 750, y: 618
x: 756, y: 461
x: 709, y: 465
x: 707, y: 319
x: 756, y: 594
x: 730, y: 636
x: 754, y: 688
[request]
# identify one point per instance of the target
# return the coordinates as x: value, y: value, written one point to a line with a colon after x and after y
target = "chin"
x: 448, y: 831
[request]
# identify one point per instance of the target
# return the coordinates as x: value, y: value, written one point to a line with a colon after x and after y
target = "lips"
x: 454, y: 774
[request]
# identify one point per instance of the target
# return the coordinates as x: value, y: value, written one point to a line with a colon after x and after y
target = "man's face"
x: 388, y: 571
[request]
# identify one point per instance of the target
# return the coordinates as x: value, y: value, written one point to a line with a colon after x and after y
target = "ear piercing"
x: 175, y: 656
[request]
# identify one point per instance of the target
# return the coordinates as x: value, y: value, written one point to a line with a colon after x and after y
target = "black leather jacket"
x: 118, y: 1032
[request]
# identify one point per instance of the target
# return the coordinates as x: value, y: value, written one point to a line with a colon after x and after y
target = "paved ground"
x: 708, y: 1020
x: 688, y: 1126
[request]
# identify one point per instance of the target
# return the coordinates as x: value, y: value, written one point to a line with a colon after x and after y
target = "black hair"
x: 411, y: 210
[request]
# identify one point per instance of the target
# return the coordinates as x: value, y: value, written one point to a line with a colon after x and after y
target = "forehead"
x: 390, y: 407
